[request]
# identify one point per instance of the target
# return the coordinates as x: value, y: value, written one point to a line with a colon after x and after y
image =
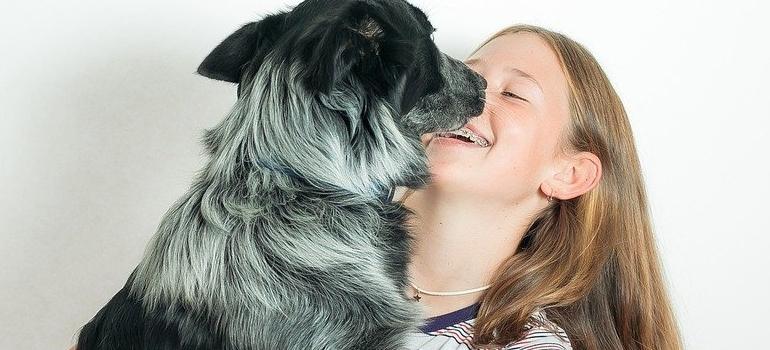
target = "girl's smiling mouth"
x: 466, y: 135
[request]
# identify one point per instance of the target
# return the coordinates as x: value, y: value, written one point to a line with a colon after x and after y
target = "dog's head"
x: 346, y: 84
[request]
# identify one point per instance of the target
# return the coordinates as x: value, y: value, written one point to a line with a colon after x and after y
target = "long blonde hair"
x: 590, y: 262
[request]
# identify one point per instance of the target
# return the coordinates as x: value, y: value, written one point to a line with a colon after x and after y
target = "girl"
x: 542, y: 238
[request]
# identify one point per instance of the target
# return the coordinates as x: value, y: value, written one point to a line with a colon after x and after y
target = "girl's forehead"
x: 519, y: 48
x: 523, y: 58
x: 526, y: 55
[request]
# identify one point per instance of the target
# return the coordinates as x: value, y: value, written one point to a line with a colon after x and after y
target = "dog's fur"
x: 287, y: 238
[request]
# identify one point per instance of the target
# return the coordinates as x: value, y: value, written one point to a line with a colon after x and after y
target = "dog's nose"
x: 483, y: 82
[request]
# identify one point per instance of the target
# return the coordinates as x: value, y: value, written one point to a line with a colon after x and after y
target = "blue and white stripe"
x: 458, y: 336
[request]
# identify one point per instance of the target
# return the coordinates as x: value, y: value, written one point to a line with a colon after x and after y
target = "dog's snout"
x: 478, y: 79
x: 483, y: 82
x: 461, y: 98
x: 478, y: 101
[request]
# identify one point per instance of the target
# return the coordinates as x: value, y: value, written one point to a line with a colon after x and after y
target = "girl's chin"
x: 449, y: 172
x: 451, y: 156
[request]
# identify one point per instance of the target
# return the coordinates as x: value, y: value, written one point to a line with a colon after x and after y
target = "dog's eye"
x: 510, y: 94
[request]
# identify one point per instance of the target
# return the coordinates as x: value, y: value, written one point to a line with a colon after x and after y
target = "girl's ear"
x: 580, y: 173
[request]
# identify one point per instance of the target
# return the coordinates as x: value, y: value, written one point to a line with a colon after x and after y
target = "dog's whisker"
x: 492, y: 111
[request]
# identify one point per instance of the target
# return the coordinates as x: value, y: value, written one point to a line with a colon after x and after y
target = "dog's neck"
x: 385, y: 195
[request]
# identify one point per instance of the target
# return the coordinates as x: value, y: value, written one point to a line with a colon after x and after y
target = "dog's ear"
x: 360, y: 40
x: 249, y: 44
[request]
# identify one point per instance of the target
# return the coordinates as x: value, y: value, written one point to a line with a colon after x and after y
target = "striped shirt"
x: 454, y: 331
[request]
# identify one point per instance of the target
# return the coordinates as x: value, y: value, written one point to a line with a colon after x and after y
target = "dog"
x: 288, y: 238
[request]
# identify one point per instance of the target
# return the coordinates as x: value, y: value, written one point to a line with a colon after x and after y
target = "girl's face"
x: 526, y: 109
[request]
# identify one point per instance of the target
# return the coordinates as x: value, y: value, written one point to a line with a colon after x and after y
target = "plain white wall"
x: 100, y: 115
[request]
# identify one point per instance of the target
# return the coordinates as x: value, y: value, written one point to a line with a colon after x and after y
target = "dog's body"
x: 284, y: 240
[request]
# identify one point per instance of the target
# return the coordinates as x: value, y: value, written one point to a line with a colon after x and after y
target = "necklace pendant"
x: 417, y: 297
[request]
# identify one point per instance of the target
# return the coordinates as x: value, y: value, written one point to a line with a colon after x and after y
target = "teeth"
x: 467, y: 133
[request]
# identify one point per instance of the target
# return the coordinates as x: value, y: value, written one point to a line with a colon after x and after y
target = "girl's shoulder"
x: 542, y: 334
x: 454, y: 331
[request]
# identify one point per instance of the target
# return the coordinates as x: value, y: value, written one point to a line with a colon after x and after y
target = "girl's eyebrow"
x: 509, y: 69
x: 524, y: 75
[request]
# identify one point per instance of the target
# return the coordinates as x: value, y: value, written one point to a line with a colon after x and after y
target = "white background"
x: 100, y: 115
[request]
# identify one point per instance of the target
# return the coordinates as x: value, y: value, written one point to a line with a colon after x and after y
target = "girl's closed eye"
x: 512, y: 95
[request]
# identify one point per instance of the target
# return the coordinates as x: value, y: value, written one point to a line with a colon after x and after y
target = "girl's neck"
x: 459, y: 242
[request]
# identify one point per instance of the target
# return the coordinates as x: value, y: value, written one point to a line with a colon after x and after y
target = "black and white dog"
x: 288, y: 239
